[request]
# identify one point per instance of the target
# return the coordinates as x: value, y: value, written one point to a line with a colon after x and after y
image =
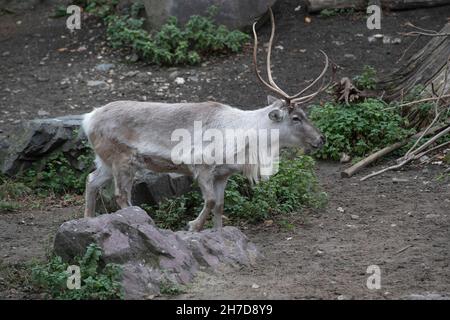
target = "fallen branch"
x: 381, y: 153
x: 412, y: 156
x: 424, y: 100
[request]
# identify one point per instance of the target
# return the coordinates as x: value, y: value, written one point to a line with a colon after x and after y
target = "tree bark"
x: 423, y: 68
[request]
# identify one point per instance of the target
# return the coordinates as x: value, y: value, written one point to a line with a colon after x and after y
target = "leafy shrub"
x: 96, y: 282
x: 10, y: 191
x: 100, y: 8
x: 367, y: 79
x: 171, y: 45
x: 293, y: 187
x: 57, y: 175
x: 357, y: 129
x: 170, y: 288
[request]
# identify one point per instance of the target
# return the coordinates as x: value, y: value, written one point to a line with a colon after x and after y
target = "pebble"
x: 350, y: 56
x: 179, y: 80
x: 255, y: 286
x: 399, y: 180
x: 42, y: 113
x: 96, y: 83
x: 432, y: 216
x: 174, y: 75
x: 104, y: 67
x: 193, y: 78
x: 131, y: 73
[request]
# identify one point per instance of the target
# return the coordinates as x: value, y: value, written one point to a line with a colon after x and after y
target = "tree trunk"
x: 318, y: 5
x: 424, y: 68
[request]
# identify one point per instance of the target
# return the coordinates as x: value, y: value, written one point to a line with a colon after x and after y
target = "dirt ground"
x: 401, y: 227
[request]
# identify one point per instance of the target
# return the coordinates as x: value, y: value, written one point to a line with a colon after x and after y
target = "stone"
x: 149, y: 255
x: 148, y: 188
x: 39, y: 138
x: 104, y: 67
x: 174, y: 75
x: 235, y: 14
x: 399, y: 180
x: 97, y: 84
x: 345, y: 158
x: 179, y: 80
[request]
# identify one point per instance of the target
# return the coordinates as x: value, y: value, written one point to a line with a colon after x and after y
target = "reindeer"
x: 128, y: 136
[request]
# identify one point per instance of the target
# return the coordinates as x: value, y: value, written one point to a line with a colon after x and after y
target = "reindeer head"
x: 292, y: 121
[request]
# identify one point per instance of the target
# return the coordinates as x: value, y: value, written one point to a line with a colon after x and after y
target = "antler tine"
x: 269, y: 54
x: 255, y: 64
x: 295, y: 97
x: 309, y: 97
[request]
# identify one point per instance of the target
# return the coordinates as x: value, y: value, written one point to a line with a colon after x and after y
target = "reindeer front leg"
x: 206, y: 183
x: 219, y: 191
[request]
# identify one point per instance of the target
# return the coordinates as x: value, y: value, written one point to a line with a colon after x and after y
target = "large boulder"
x: 235, y: 14
x: 148, y: 188
x: 150, y: 256
x: 37, y: 139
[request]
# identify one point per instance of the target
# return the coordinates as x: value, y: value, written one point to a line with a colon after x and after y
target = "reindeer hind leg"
x: 94, y: 182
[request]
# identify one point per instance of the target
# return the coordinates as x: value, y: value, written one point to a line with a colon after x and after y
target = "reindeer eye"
x: 296, y: 119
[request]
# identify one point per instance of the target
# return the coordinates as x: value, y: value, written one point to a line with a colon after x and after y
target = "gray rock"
x: 149, y: 188
x: 149, y: 255
x: 235, y: 14
x: 173, y: 75
x: 97, y: 84
x: 39, y: 138
x: 104, y: 67
x: 399, y: 180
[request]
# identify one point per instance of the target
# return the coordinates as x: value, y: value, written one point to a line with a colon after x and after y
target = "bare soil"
x: 401, y: 227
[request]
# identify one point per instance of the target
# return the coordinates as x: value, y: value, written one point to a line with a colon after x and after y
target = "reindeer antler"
x: 294, y: 99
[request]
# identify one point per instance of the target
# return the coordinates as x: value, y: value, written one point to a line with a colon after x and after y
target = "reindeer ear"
x: 276, y: 115
x: 271, y: 100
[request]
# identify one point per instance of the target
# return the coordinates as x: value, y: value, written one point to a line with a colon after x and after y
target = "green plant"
x: 10, y: 191
x: 171, y: 288
x: 96, y: 282
x: 293, y: 187
x: 57, y: 175
x: 8, y: 206
x: 357, y: 129
x: 172, y: 44
x: 367, y: 79
x: 60, y: 11
x: 101, y: 8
